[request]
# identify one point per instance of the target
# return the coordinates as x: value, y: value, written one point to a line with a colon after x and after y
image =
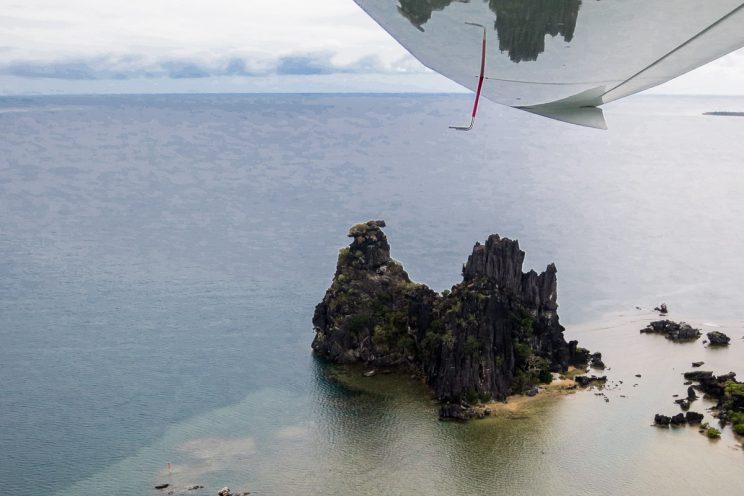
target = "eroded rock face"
x: 372, y: 313
x: 495, y: 333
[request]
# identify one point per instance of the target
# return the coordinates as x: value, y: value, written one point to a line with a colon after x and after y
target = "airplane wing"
x: 562, y: 58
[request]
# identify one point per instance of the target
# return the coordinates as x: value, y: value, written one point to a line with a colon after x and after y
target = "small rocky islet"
x: 494, y: 334
x: 683, y: 332
x: 724, y: 389
x: 673, y: 331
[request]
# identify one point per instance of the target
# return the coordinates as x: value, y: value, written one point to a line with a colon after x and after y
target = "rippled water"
x: 160, y: 258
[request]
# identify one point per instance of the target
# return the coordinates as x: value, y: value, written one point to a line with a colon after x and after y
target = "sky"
x: 152, y: 46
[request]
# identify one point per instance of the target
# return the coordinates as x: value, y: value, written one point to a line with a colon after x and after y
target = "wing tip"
x: 592, y: 117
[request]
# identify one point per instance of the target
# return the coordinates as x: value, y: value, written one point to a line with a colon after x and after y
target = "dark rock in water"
x: 693, y: 417
x: 678, y: 419
x: 598, y: 364
x: 577, y: 355
x: 584, y: 381
x: 697, y: 364
x: 673, y: 330
x: 496, y: 333
x: 691, y: 394
x: 225, y: 491
x: 662, y: 419
x: 162, y: 486
x: 456, y: 411
x: 596, y: 361
x: 712, y: 385
x: 683, y: 403
x: 718, y: 338
x: 638, y: 375
x: 697, y: 375
x: 662, y: 309
x: 731, y: 376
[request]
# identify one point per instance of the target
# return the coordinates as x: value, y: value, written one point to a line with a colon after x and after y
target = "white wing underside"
x: 563, y: 58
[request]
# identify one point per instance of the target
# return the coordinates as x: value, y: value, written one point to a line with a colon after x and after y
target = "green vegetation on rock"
x: 712, y: 433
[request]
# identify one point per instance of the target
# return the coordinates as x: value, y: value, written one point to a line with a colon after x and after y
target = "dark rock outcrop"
x: 456, y: 411
x: 718, y: 338
x: 672, y: 330
x: 596, y: 361
x: 372, y: 313
x: 678, y: 419
x: 495, y: 333
x: 693, y: 417
x: 691, y: 396
x: 710, y: 384
x: 697, y: 375
x: 585, y: 381
x: 577, y: 355
x: 660, y: 419
x: 729, y: 394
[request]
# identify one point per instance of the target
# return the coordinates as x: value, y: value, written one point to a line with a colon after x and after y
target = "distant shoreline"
x: 725, y: 113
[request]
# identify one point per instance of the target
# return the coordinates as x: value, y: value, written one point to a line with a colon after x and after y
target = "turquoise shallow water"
x: 160, y: 258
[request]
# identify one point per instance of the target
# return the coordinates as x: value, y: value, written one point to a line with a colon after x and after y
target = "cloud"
x: 65, y: 70
x: 304, y: 65
x: 133, y: 67
x: 90, y: 41
x: 253, y: 37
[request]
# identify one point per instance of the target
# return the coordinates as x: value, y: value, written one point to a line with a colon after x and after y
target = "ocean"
x: 161, y: 257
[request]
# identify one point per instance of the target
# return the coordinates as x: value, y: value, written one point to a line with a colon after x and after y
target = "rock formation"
x: 586, y: 381
x: 495, y: 333
x: 728, y: 392
x: 672, y: 330
x: 679, y: 419
x: 717, y: 338
x: 372, y: 313
x: 662, y: 309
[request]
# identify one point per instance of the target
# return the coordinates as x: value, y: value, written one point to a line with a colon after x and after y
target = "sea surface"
x: 161, y: 257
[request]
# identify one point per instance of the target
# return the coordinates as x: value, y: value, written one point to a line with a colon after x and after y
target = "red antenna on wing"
x: 480, y: 81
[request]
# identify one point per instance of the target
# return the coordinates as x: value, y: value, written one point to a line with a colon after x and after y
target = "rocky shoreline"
x: 497, y: 333
x: 724, y: 389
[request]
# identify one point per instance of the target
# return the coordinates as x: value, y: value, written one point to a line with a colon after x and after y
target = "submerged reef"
x: 494, y: 334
